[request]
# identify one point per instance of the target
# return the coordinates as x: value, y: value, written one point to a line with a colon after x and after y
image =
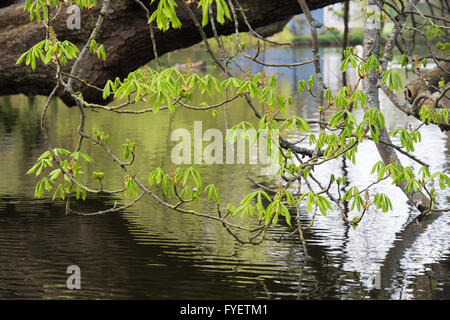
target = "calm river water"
x: 148, y: 252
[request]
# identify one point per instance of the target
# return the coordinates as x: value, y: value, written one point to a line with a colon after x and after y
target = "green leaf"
x: 98, y: 175
x: 155, y: 176
x: 101, y: 52
x: 212, y: 193
x: 392, y: 78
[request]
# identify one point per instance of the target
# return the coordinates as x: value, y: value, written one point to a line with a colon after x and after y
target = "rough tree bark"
x: 125, y: 36
x: 370, y: 88
x: 428, y: 82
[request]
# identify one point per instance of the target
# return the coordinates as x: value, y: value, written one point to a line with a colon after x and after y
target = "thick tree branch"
x: 124, y: 36
x: 370, y: 89
x: 427, y: 82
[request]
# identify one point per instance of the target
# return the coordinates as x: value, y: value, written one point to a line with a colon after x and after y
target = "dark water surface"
x: 150, y: 252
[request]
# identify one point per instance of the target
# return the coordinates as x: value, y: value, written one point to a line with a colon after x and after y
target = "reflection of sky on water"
x: 366, y: 248
x: 431, y: 246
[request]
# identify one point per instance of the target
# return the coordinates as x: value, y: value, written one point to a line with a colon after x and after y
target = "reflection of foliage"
x: 8, y: 115
x: 18, y: 113
x: 331, y: 36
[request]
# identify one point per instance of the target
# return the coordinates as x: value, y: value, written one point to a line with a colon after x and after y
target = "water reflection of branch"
x: 300, y: 280
x: 111, y: 210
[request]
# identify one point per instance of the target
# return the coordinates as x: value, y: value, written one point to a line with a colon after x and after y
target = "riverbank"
x: 330, y: 38
x: 333, y: 38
